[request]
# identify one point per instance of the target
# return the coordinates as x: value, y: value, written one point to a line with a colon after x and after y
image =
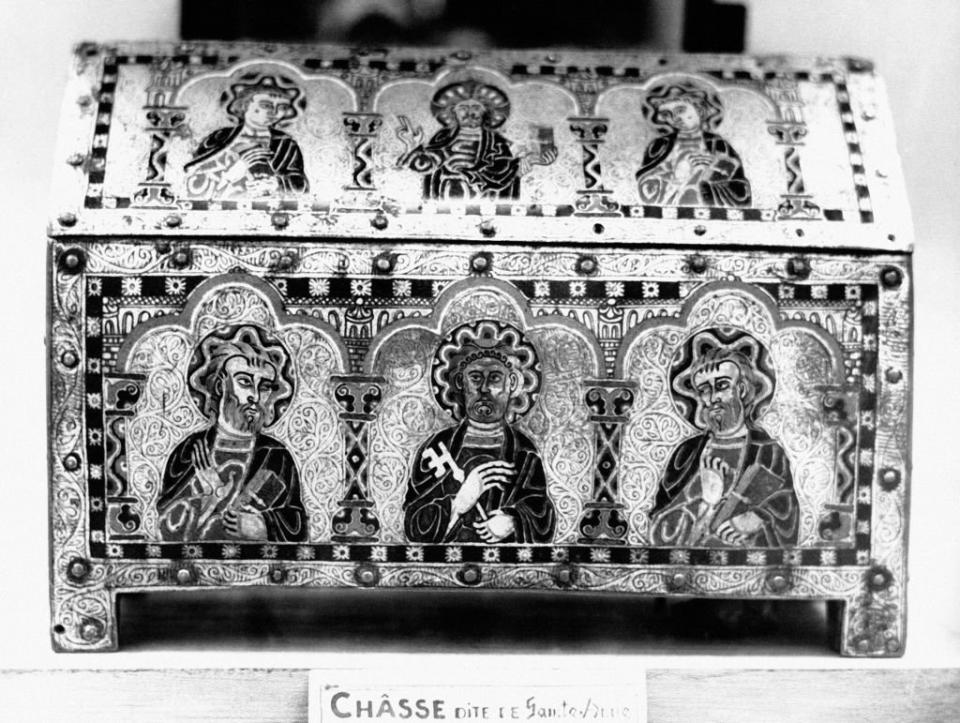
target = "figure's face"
x: 720, y: 392
x: 265, y: 109
x: 679, y: 113
x: 469, y: 113
x: 487, y: 385
x: 247, y: 390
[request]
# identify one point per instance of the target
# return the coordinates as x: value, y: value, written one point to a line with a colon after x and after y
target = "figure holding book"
x: 729, y: 486
x: 230, y: 481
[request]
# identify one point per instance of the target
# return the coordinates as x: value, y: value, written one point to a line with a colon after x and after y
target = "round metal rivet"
x: 552, y: 57
x: 587, y: 265
x: 598, y: 228
x: 277, y: 575
x: 463, y: 55
x: 868, y: 115
x: 69, y: 359
x: 697, y: 263
x: 75, y: 159
x: 879, y: 580
x: 67, y: 219
x: 893, y: 645
x: 470, y: 574
x: 678, y: 580
x: 59, y: 629
x: 379, y: 221
x: 84, y: 100
x: 78, y: 569
x: 487, y: 228
x: 91, y: 632
x: 71, y: 462
x: 700, y: 230
x: 280, y: 220
x: 889, y: 479
x: 891, y: 277
x: 184, y: 576
x: 480, y: 263
x: 173, y: 220
x: 383, y: 264
x: 778, y: 583
x: 799, y: 267
x: 366, y: 574
x: 564, y: 575
x: 893, y: 375
x: 863, y: 645
x: 180, y: 259
x: 881, y: 173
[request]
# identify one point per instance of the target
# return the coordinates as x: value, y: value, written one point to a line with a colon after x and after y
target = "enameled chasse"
x: 332, y: 317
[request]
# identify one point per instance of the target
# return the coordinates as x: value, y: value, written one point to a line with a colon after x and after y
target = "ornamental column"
x: 593, y: 199
x: 609, y: 401
x: 163, y: 122
x: 789, y: 130
x: 358, y: 396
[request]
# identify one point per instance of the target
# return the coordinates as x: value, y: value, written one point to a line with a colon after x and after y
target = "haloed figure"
x: 688, y: 164
x: 481, y: 480
x: 253, y: 157
x: 730, y: 485
x: 468, y: 158
x: 231, y: 481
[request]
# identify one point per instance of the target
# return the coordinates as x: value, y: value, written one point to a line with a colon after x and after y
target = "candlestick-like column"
x: 358, y: 396
x: 609, y: 401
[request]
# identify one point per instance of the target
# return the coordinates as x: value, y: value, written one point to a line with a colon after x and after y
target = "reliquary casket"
x: 322, y: 316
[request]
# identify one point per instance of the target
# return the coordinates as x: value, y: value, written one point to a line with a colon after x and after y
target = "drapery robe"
x: 427, y: 506
x: 449, y: 171
x: 723, y: 183
x: 261, y: 476
x: 220, y: 150
x: 759, y: 482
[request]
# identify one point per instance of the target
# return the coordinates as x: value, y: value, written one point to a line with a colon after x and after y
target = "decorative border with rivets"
x: 880, y: 211
x: 869, y: 578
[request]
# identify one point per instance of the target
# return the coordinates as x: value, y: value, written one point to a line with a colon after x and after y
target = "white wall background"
x: 917, y: 48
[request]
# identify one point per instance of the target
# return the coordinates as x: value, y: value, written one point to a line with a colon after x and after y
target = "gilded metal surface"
x: 364, y: 398
x: 601, y: 147
x: 330, y: 317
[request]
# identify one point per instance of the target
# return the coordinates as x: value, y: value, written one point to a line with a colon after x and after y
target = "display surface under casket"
x: 435, y: 318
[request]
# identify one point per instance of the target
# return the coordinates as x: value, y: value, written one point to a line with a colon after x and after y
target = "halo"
x: 239, y: 339
x: 480, y: 339
x: 259, y: 82
x: 711, y: 109
x: 494, y: 100
x: 712, y: 341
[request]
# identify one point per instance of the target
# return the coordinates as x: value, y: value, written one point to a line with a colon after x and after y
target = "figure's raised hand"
x: 410, y: 137
x: 483, y: 477
x: 206, y: 473
x: 495, y: 528
x: 712, y: 474
x: 245, y: 524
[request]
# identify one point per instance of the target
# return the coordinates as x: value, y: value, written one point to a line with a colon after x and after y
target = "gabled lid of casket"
x: 217, y: 139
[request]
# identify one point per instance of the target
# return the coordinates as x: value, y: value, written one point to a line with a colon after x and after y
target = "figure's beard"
x: 486, y: 409
x: 724, y: 416
x: 248, y: 418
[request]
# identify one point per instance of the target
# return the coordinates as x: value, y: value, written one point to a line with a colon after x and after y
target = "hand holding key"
x: 482, y: 478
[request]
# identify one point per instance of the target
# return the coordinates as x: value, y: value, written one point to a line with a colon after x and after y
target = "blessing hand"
x: 203, y: 468
x: 410, y: 137
x: 713, y: 471
x: 497, y: 527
